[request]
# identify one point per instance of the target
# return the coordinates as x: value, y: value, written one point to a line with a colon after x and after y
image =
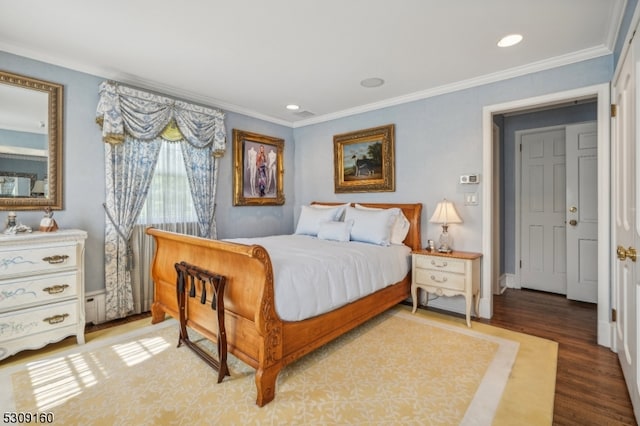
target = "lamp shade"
x: 38, y: 187
x: 445, y: 213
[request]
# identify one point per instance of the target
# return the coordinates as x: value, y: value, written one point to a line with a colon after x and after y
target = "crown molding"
x: 547, y: 64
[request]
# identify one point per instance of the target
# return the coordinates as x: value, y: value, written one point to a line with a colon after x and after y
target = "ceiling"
x: 255, y: 57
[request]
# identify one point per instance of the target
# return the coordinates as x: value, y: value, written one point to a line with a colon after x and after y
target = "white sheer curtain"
x: 132, y: 120
x: 168, y: 206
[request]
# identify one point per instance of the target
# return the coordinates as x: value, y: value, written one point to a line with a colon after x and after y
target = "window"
x: 169, y: 199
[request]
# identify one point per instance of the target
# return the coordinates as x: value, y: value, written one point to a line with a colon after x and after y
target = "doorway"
x: 556, y: 206
x: 601, y: 93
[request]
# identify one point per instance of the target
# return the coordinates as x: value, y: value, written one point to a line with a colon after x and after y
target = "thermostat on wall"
x: 470, y: 179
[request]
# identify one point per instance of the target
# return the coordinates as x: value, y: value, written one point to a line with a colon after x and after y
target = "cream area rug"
x: 398, y: 368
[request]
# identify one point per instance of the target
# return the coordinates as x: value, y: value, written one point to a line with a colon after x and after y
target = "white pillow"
x: 335, y: 231
x: 310, y: 219
x: 400, y: 227
x: 371, y: 226
x: 339, y: 215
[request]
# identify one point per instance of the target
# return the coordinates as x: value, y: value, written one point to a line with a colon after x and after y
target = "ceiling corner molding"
x: 199, y: 99
x: 551, y: 63
x: 617, y: 15
x: 103, y: 72
x: 107, y: 74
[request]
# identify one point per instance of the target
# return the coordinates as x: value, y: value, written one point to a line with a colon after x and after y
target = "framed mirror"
x: 30, y: 143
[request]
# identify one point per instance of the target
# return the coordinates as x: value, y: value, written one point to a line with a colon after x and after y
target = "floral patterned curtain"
x: 131, y: 122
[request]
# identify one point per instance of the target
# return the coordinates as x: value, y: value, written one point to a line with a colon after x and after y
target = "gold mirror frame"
x: 54, y: 162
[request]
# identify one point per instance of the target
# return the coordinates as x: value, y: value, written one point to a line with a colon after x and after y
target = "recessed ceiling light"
x: 510, y: 40
x: 293, y: 107
x: 372, y: 82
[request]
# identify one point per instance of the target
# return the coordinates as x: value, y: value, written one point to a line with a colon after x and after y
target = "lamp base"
x: 445, y: 240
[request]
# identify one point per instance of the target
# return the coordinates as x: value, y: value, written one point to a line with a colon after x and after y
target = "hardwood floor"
x: 590, y: 388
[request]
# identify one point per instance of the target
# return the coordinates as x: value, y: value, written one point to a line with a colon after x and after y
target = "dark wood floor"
x: 590, y: 388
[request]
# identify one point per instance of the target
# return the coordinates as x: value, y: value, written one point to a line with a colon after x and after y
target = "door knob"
x: 630, y: 253
x: 573, y: 222
x: 621, y: 252
x: 573, y: 209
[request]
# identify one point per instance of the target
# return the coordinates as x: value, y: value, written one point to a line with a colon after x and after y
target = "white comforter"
x: 314, y: 276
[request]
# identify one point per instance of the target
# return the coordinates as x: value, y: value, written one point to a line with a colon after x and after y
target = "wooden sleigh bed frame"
x: 255, y: 334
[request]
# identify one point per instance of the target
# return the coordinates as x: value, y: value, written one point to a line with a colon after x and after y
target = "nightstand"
x: 447, y: 274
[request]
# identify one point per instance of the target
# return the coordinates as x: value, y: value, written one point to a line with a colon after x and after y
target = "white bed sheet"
x: 314, y: 276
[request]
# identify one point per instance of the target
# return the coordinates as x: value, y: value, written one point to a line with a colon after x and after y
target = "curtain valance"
x: 145, y: 115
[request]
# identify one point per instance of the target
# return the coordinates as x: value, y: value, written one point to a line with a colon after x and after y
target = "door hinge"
x: 614, y: 110
x: 614, y: 315
x: 521, y: 264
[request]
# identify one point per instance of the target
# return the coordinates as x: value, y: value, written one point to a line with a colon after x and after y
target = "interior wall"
x: 437, y: 140
x: 254, y: 221
x: 84, y: 177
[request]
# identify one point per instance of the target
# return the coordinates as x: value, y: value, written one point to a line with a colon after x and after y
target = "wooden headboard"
x: 411, y: 211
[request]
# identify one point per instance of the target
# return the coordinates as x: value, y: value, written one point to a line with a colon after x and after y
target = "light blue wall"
x: 83, y: 162
x: 83, y: 169
x: 437, y: 140
x: 624, y: 28
x: 23, y: 139
x: 254, y: 221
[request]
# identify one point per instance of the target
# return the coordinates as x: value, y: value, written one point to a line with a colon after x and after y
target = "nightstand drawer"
x: 440, y: 264
x: 440, y: 279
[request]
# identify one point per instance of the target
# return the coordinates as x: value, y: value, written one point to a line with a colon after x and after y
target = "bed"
x: 255, y: 333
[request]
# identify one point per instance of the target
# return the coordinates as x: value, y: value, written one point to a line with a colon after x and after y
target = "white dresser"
x: 41, y: 289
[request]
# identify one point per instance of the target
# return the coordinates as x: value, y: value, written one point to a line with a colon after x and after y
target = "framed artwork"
x: 258, y: 171
x: 364, y: 161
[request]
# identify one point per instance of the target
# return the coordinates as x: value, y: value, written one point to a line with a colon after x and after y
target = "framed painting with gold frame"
x: 364, y: 161
x: 258, y: 171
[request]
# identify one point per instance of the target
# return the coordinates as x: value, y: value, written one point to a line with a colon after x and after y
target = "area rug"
x: 396, y: 369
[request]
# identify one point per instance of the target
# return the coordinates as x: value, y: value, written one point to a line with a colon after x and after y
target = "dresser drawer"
x: 34, y: 260
x: 439, y: 279
x: 29, y: 291
x: 38, y: 320
x: 440, y: 264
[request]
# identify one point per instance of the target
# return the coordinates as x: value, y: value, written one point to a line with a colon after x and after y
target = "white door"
x: 624, y: 203
x: 542, y: 210
x: 582, y: 212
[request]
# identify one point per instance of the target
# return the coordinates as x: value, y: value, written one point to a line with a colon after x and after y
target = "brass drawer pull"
x: 439, y: 265
x: 55, y: 289
x: 58, y: 258
x: 443, y: 280
x: 56, y: 319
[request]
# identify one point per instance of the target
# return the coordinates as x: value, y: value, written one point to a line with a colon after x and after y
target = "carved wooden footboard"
x: 255, y: 333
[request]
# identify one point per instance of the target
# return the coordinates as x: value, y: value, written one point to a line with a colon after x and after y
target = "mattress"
x: 314, y: 276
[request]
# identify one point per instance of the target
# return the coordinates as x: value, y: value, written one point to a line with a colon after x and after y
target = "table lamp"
x: 445, y: 214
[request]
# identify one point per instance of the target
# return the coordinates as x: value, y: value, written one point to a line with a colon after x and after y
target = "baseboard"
x: 94, y: 307
x: 509, y: 281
